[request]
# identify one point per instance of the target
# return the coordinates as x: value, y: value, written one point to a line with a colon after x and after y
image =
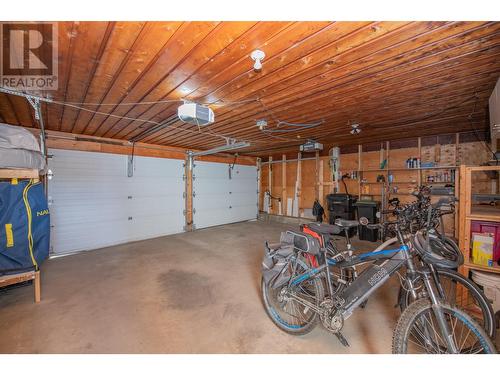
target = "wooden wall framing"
x: 311, y: 173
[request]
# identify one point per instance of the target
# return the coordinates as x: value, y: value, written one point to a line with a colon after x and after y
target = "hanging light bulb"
x: 257, y: 56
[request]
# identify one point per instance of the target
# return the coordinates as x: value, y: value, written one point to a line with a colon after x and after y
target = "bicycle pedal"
x: 342, y: 339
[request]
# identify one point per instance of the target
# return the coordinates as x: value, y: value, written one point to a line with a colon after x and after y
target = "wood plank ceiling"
x: 396, y: 79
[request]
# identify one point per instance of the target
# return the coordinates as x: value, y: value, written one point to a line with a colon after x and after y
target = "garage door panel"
x: 242, y: 198
x: 210, y: 201
x: 164, y: 205
x: 95, y: 204
x: 221, y: 200
x: 95, y: 235
x: 81, y: 213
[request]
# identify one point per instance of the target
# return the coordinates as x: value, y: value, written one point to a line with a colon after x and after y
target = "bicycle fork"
x: 439, y: 314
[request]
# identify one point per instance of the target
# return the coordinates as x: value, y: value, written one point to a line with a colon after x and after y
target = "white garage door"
x: 93, y: 203
x: 219, y: 199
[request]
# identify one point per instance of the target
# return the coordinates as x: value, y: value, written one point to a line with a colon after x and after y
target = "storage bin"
x: 491, y: 286
x: 488, y: 227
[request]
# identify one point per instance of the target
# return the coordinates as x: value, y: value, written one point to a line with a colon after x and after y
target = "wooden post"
x: 316, y: 177
x: 36, y: 282
x: 270, y: 183
x: 320, y: 183
x: 284, y: 197
x: 360, y: 170
x: 299, y: 184
x: 419, y: 174
x: 259, y: 184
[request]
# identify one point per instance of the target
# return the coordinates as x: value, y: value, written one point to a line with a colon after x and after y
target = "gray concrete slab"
x: 194, y: 292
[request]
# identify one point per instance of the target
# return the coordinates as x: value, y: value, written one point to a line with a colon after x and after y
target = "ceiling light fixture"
x: 261, y: 124
x: 355, y: 129
x: 257, y: 56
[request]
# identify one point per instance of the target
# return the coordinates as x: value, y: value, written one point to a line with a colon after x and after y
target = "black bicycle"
x: 297, y: 292
x: 452, y: 287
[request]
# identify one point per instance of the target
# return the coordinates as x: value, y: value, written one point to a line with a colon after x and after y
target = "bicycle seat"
x: 346, y: 223
x: 322, y: 228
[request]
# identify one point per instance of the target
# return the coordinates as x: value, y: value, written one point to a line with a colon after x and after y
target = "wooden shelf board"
x: 19, y: 173
x: 484, y: 213
x: 473, y: 266
x: 408, y: 169
x: 493, y: 218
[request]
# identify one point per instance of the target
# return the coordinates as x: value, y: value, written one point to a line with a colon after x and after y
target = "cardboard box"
x: 482, y: 248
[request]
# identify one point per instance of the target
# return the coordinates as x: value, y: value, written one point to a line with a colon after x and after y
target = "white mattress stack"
x: 19, y: 149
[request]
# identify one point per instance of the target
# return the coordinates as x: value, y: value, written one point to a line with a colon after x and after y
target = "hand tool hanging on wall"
x: 334, y: 162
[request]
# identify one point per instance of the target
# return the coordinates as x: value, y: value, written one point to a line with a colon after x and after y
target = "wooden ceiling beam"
x: 351, y: 79
x: 122, y: 43
x: 167, y: 57
x: 170, y: 86
x: 220, y: 60
x: 313, y: 98
x: 89, y: 45
x: 420, y: 84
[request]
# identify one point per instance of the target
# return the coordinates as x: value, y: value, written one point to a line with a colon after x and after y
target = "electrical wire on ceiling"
x: 415, y: 120
x: 165, y: 101
x: 295, y: 127
x: 80, y: 107
x: 292, y: 127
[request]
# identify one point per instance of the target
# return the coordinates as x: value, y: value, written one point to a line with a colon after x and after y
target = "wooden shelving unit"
x: 18, y: 173
x: 17, y: 278
x: 469, y: 212
x: 405, y: 179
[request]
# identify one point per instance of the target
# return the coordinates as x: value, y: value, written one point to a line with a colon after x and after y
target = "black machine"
x: 369, y: 210
x: 341, y: 206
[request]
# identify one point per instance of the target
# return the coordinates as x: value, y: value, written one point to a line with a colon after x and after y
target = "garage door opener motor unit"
x: 311, y: 146
x: 195, y: 114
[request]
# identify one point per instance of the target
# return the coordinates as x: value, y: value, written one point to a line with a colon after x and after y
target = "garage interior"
x: 175, y: 150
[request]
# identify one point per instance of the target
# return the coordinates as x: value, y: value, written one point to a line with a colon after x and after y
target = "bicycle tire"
x: 279, y: 321
x: 488, y: 316
x: 401, y: 340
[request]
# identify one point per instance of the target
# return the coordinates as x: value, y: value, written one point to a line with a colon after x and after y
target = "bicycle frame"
x: 385, y: 263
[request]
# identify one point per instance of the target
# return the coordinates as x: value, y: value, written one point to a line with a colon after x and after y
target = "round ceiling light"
x: 257, y: 56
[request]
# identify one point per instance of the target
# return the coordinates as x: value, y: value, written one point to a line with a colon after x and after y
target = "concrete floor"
x: 194, y: 292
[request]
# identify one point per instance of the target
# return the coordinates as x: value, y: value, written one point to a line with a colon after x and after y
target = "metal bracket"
x: 130, y: 166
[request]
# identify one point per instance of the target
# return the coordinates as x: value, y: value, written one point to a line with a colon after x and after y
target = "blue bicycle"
x: 304, y: 282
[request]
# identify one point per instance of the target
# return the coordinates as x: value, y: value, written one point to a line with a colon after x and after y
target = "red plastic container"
x: 488, y: 227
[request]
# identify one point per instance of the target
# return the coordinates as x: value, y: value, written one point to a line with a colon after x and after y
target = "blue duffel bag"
x: 24, y: 226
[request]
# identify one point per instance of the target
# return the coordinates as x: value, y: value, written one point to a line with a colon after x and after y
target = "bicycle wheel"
x: 461, y: 292
x: 290, y: 315
x: 417, y: 331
